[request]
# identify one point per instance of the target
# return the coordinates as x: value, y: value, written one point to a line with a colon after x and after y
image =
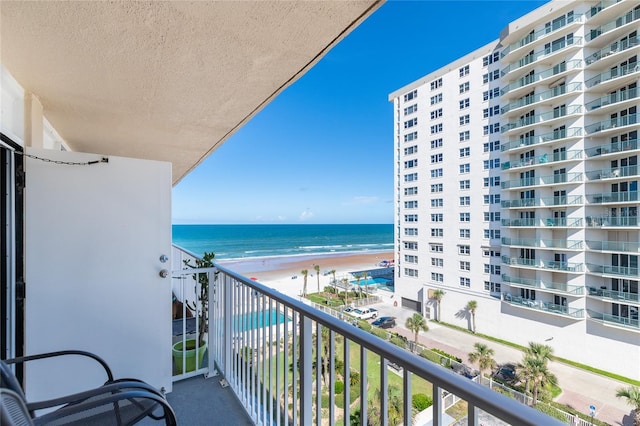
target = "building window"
x: 409, y: 258
x: 436, y: 128
x: 464, y: 87
x: 412, y: 232
x: 436, y: 158
x: 490, y: 253
x: 411, y: 136
x: 465, y: 282
x: 492, y: 216
x: 492, y: 234
x: 437, y: 277
x: 410, y: 177
x: 437, y: 217
x: 436, y: 173
x: 490, y: 112
x: 492, y: 269
x: 436, y: 248
x: 437, y: 262
x: 464, y: 103
x: 413, y: 204
x: 491, y: 164
x: 464, y: 119
x: 411, y: 272
x: 436, y: 113
x: 465, y: 201
x: 491, y: 146
x: 411, y: 245
x: 411, y: 150
x: 463, y: 71
x: 464, y: 136
x: 465, y: 184
x: 411, y: 123
x: 436, y: 143
x: 437, y: 232
x: 465, y: 217
x: 464, y: 249
x: 411, y: 109
x: 465, y: 266
x: 491, y: 199
x: 436, y: 83
x: 465, y: 168
x: 489, y: 59
x: 411, y: 95
x: 412, y: 190
x: 411, y: 164
x: 465, y: 233
x: 410, y: 217
x: 465, y: 152
x: 491, y: 181
x: 492, y: 287
x: 490, y: 94
x: 491, y: 129
x: 436, y: 187
x: 437, y: 202
x: 436, y: 99
x: 490, y: 76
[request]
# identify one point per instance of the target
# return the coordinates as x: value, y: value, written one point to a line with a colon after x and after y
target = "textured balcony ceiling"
x: 165, y: 80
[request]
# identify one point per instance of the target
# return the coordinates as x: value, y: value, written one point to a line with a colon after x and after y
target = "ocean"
x: 231, y: 242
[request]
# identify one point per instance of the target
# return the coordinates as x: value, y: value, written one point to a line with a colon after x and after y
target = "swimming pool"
x: 378, y: 282
x: 253, y: 320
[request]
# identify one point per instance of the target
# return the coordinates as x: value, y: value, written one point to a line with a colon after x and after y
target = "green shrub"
x: 354, y: 378
x: 448, y: 355
x: 379, y: 333
x: 420, y: 401
x: 364, y: 325
x: 550, y: 411
x: 399, y: 342
x: 338, y: 387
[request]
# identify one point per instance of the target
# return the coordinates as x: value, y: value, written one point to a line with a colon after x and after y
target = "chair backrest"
x: 13, y: 411
x: 8, y: 380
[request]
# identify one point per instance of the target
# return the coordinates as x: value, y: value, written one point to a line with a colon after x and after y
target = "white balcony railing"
x: 283, y: 358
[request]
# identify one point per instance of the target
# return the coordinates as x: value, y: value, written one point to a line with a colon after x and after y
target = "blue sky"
x: 322, y: 152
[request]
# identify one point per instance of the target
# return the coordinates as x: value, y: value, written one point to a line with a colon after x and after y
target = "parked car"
x: 364, y: 313
x: 385, y: 322
x: 506, y: 373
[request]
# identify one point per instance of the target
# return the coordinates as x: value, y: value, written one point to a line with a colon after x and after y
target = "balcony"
x: 612, y: 148
x: 543, y: 222
x: 620, y: 271
x: 574, y: 154
x: 564, y: 200
x: 542, y: 33
x: 537, y: 77
x: 618, y: 246
x: 542, y: 54
x: 613, y: 197
x: 551, y: 265
x: 554, y: 179
x: 556, y: 135
x: 612, y: 74
x: 614, y: 320
x: 542, y: 118
x: 273, y: 366
x: 612, y: 49
x: 542, y: 243
x: 600, y: 6
x: 612, y: 295
x: 543, y: 96
x: 541, y: 285
x: 611, y: 221
x: 612, y: 98
x: 539, y: 305
x: 613, y: 123
x: 631, y: 16
x: 612, y: 173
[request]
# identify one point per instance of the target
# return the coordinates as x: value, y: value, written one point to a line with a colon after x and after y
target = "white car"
x: 364, y: 313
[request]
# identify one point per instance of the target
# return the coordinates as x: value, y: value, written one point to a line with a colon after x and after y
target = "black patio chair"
x: 119, y: 402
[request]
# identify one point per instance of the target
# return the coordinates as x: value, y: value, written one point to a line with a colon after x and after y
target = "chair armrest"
x: 99, y: 399
x: 102, y: 362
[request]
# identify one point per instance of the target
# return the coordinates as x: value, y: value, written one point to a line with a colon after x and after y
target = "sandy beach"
x: 278, y: 272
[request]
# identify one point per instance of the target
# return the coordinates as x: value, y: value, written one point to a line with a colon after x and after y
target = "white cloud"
x: 305, y: 215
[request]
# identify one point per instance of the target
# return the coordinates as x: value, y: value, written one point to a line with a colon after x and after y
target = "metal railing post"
x: 437, y: 406
x: 225, y: 287
x: 306, y: 380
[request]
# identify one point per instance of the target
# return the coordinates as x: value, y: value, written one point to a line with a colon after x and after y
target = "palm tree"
x: 358, y: 277
x: 484, y: 356
x: 416, y: 323
x: 472, y: 305
x: 366, y: 287
x: 304, y: 273
x: 632, y: 395
x: 540, y: 376
x: 317, y: 269
x: 539, y: 351
x: 524, y: 370
x: 535, y: 351
x: 438, y: 294
x: 335, y: 286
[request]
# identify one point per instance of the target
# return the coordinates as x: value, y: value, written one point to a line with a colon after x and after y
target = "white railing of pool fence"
x: 257, y: 354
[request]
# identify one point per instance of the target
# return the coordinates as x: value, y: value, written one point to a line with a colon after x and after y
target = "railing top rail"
x: 503, y: 407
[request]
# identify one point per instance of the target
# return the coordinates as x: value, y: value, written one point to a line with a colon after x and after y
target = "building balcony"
x: 611, y: 221
x: 617, y: 246
x: 542, y: 243
x: 613, y: 74
x: 618, y: 22
x: 547, y: 307
x: 543, y: 222
x: 614, y: 320
x: 556, y: 179
x: 612, y: 295
x: 565, y: 200
x: 571, y: 155
x: 530, y: 39
x: 553, y: 93
x: 613, y: 49
x: 614, y: 123
x: 613, y: 197
x: 556, y: 135
x: 612, y: 99
x: 547, y: 118
x: 612, y: 148
x: 271, y: 362
x: 545, y: 286
x: 550, y: 265
x: 619, y: 271
x: 546, y: 53
x: 555, y: 71
x: 612, y: 173
x: 603, y: 10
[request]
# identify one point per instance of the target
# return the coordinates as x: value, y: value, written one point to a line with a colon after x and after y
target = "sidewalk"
x: 580, y: 388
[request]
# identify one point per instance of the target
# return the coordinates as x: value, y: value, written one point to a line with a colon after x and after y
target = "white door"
x: 94, y: 235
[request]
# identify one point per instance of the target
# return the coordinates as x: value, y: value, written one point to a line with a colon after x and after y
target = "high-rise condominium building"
x: 516, y: 185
